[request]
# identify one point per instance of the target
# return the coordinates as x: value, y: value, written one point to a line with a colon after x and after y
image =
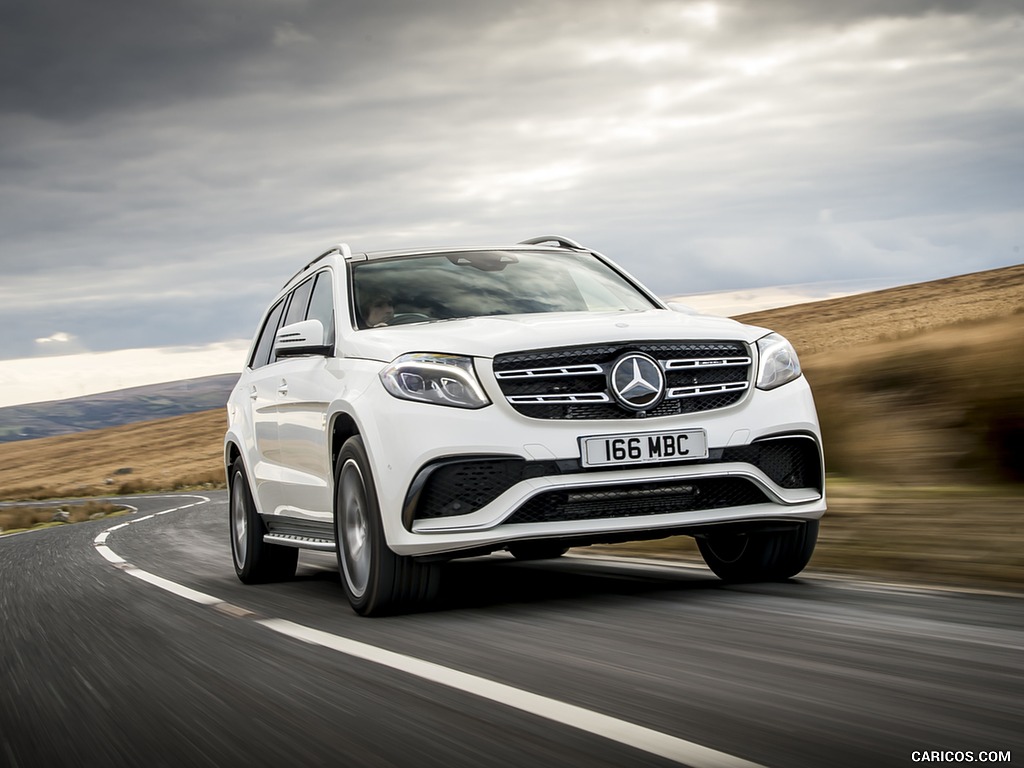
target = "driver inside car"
x: 377, y: 309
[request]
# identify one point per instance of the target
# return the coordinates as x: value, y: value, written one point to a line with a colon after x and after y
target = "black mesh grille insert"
x: 459, y: 489
x: 792, y: 462
x: 526, y: 374
x: 653, y: 498
x: 463, y: 487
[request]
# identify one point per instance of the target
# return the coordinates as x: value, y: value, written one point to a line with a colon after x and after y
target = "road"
x: 129, y: 642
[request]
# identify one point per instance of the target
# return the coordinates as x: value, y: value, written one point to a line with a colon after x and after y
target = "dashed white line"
x: 630, y: 734
x: 109, y: 555
x: 607, y: 727
x: 173, y: 587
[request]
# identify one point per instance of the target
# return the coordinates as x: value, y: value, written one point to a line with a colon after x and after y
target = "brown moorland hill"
x: 896, y: 313
x: 163, y: 454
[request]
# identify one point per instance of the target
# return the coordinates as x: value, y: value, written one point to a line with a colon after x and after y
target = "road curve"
x: 130, y: 642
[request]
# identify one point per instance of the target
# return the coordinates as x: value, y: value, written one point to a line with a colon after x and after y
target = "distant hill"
x: 111, y: 409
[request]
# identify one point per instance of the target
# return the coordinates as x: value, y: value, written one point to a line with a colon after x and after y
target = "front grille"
x: 572, y: 382
x: 655, y: 498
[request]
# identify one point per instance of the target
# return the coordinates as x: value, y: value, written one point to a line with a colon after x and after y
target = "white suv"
x: 405, y: 408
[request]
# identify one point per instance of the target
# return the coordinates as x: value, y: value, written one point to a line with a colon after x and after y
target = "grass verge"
x: 19, y: 519
x: 201, y: 481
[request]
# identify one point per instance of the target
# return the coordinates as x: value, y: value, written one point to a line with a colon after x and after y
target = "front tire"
x: 375, y: 579
x: 753, y: 557
x: 256, y: 562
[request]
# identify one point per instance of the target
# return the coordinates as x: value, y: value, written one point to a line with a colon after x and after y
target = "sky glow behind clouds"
x: 164, y: 168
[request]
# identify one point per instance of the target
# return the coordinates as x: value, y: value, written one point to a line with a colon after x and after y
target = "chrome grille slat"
x: 586, y: 397
x: 706, y: 389
x: 698, y: 363
x: 535, y: 373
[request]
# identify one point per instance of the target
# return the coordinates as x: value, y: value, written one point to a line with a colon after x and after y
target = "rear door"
x: 260, y: 384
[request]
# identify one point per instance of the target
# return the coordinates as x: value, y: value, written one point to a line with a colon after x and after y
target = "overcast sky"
x: 165, y: 167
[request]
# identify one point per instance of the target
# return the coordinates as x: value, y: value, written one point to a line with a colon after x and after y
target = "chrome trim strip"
x: 586, y: 397
x: 532, y: 373
x: 685, y: 363
x: 676, y: 393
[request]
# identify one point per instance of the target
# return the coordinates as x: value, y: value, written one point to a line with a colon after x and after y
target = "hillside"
x: 109, y: 409
x: 918, y: 384
x: 897, y: 313
x: 164, y: 454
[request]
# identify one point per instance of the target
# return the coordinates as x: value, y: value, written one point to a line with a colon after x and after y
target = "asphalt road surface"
x: 129, y: 642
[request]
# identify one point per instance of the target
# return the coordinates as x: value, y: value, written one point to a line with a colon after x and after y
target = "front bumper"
x: 560, y: 499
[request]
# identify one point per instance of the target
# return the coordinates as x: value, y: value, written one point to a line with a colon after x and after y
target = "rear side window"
x: 321, y: 305
x: 265, y: 344
x: 300, y: 300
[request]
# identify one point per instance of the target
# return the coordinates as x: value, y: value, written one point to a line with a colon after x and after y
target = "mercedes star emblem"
x: 637, y: 382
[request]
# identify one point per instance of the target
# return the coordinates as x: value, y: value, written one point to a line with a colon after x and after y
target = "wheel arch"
x: 343, y: 426
x: 231, y: 453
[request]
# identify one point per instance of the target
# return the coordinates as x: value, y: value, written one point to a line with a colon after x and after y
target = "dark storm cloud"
x: 188, y: 157
x: 65, y: 60
x: 806, y: 13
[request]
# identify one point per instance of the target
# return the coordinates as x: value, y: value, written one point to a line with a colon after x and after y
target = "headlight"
x: 777, y: 362
x: 438, y: 379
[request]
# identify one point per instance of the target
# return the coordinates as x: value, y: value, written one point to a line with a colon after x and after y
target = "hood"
x: 496, y: 334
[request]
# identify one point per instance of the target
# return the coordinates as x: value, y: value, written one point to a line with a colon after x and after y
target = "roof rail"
x: 340, y: 248
x: 563, y: 242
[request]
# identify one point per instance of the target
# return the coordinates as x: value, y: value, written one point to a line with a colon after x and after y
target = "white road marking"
x: 605, y: 726
x: 173, y: 587
x: 109, y: 554
x: 630, y: 734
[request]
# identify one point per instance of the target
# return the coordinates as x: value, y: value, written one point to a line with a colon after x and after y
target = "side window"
x: 297, y: 307
x: 265, y: 344
x: 321, y: 305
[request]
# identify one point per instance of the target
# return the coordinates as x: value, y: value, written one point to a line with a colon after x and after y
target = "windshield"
x: 446, y: 286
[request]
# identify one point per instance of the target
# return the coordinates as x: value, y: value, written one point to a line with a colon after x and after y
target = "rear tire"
x: 537, y: 550
x: 256, y: 562
x: 753, y: 557
x: 375, y: 579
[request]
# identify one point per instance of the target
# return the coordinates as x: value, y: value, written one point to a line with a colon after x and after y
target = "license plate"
x: 644, y: 447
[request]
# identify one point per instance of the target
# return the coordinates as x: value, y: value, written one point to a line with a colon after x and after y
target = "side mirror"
x: 304, y: 338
